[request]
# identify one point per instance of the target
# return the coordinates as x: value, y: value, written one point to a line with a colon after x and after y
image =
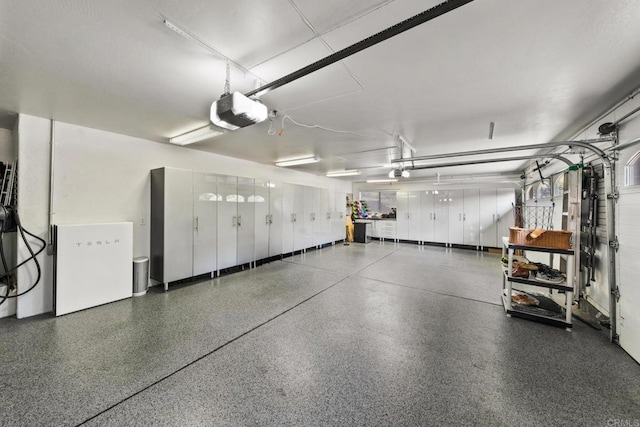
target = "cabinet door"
x: 288, y: 217
x: 456, y: 211
x: 305, y: 220
x: 178, y: 224
x: 441, y: 217
x: 262, y: 218
x: 227, y: 221
x: 316, y: 217
x: 205, y: 212
x: 276, y: 219
x: 300, y: 226
x: 488, y: 220
x: 323, y: 217
x: 402, y: 215
x: 339, y: 221
x: 471, y: 217
x: 246, y: 221
x: 505, y: 199
x: 427, y: 216
x: 413, y: 232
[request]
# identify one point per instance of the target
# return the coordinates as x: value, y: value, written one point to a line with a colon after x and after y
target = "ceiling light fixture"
x: 343, y: 173
x: 372, y: 181
x: 196, y: 135
x: 296, y: 162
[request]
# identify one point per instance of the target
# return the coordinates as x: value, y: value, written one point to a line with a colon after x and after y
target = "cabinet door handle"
x: 234, y: 222
x: 196, y: 223
x: 328, y: 215
x: 434, y: 216
x: 239, y: 220
x: 464, y: 216
x: 266, y: 220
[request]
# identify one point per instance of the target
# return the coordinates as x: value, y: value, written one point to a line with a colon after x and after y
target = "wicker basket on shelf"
x: 557, y: 239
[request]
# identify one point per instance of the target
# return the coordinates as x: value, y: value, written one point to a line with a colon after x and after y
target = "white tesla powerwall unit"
x: 93, y: 265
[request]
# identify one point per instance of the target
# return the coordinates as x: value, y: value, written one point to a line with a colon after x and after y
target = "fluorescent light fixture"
x: 295, y: 162
x: 234, y: 110
x: 196, y: 135
x: 405, y: 174
x: 370, y: 181
x: 343, y: 173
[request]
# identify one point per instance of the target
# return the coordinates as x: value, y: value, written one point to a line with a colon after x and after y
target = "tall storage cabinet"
x: 227, y: 221
x: 275, y: 218
x: 496, y: 216
x: 183, y: 224
x: 408, y: 215
x: 205, y: 212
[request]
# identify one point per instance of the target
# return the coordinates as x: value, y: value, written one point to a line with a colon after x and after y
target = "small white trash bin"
x: 140, y: 275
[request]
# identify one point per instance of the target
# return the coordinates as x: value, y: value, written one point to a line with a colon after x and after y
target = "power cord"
x: 9, y: 272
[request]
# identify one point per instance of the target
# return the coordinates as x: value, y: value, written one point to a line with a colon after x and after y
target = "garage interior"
x: 235, y: 142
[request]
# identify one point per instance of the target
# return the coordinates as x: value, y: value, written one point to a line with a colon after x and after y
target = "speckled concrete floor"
x: 375, y: 334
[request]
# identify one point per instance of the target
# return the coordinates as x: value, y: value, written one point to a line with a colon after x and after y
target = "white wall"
x: 33, y: 202
x: 6, y: 145
x: 104, y: 177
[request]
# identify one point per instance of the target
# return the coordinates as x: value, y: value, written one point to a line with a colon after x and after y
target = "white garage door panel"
x: 628, y: 316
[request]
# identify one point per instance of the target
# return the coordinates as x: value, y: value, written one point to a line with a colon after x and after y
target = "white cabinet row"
x: 475, y: 217
x: 203, y: 223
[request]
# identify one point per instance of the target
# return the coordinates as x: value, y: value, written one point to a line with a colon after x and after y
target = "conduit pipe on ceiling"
x: 498, y: 160
x: 610, y: 191
x: 383, y: 35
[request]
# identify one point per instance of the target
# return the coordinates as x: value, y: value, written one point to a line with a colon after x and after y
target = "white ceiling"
x: 539, y: 69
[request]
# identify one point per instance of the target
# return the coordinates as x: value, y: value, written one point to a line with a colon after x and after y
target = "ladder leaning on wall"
x: 8, y: 184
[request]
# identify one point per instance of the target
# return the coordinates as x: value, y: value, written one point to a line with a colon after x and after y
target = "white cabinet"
x: 321, y: 217
x: 227, y: 221
x: 408, y: 215
x: 303, y: 225
x: 236, y: 221
x: 246, y: 221
x: 297, y: 218
x: 441, y: 202
x: 183, y: 224
x: 456, y: 224
x: 427, y: 216
x: 288, y: 217
x: 262, y: 204
x: 386, y: 229
x: 464, y: 216
x: 275, y: 218
x: 471, y: 217
x: 505, y: 200
x: 205, y: 211
x: 496, y: 215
